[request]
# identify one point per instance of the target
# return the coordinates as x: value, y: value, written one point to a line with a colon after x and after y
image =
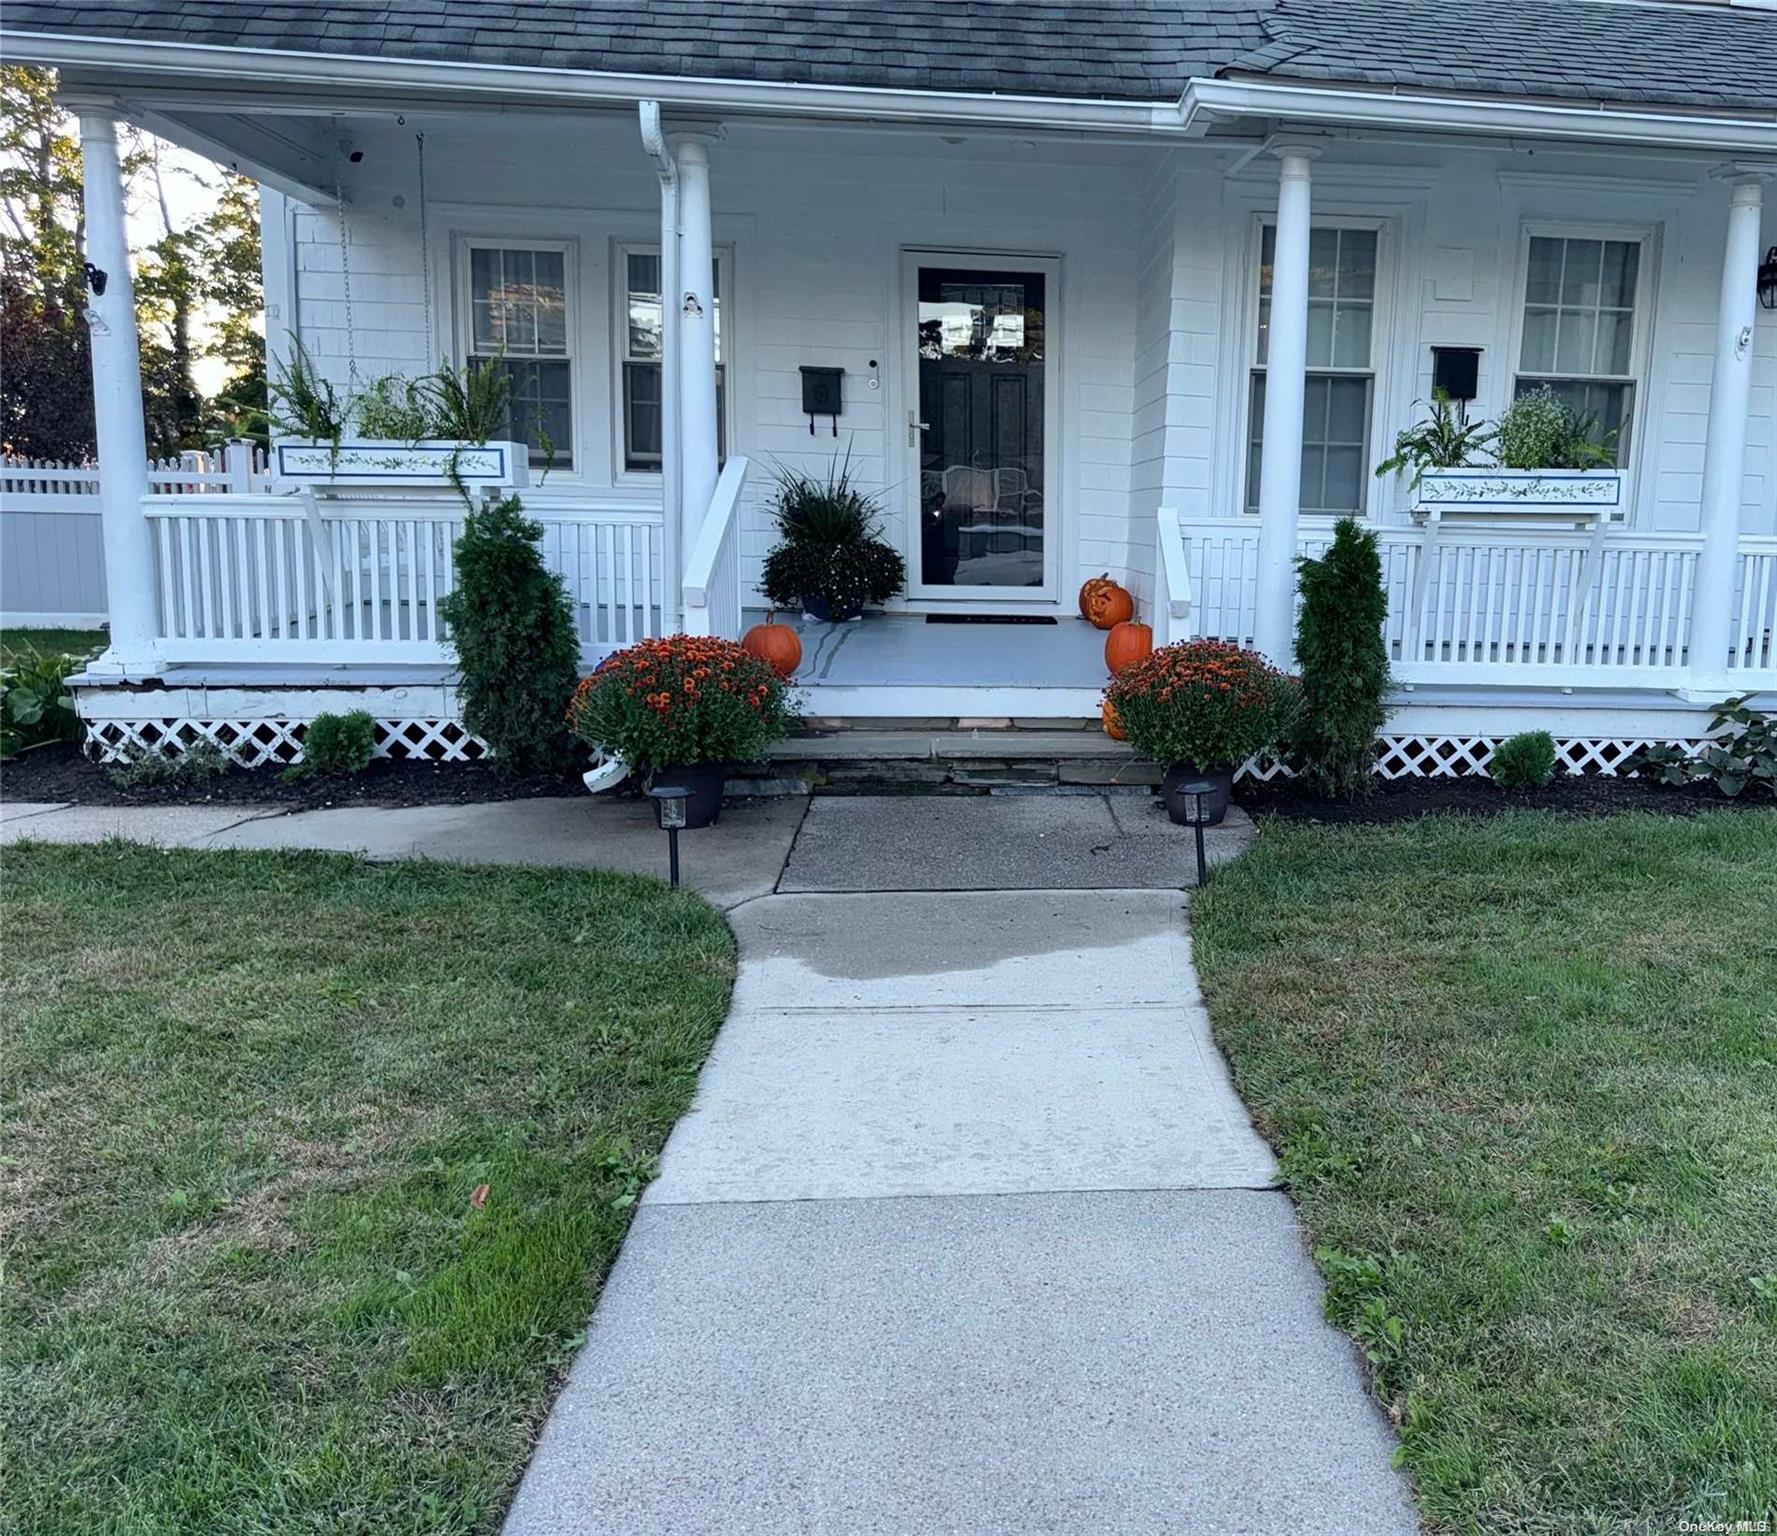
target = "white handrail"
x: 1175, y: 577
x: 712, y: 571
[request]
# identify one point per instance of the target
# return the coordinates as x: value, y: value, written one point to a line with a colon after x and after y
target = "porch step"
x: 960, y: 758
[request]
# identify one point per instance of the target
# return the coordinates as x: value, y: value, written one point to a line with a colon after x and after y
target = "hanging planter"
x: 432, y: 463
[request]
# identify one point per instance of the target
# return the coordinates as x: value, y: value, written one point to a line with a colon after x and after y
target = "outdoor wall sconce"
x: 96, y: 280
x: 1194, y: 798
x: 1767, y: 279
x: 669, y: 816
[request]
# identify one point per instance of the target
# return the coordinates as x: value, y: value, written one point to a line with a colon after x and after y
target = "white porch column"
x: 1724, y: 459
x: 1286, y: 361
x: 697, y: 333
x: 117, y: 410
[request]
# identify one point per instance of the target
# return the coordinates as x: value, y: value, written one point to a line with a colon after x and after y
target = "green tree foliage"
x: 1344, y: 660
x: 193, y: 273
x: 518, y: 658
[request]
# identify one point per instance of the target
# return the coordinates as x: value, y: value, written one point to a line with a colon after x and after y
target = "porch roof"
x: 1673, y: 53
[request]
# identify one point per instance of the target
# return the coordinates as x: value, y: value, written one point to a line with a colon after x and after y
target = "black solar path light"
x: 1195, y: 797
x: 669, y: 815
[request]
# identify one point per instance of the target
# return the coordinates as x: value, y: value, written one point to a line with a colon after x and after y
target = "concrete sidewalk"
x: 966, y: 1232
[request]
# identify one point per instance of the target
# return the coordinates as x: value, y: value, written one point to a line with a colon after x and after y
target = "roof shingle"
x: 1655, y: 52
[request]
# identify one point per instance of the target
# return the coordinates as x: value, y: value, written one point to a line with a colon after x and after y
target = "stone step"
x: 976, y: 761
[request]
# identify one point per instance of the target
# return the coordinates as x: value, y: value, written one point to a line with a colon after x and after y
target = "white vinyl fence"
x: 52, y: 557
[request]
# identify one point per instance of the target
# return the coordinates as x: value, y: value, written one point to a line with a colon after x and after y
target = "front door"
x: 982, y: 430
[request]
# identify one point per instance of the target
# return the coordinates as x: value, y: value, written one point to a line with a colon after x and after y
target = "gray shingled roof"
x: 1134, y: 50
x: 1692, y: 55
x: 1672, y: 54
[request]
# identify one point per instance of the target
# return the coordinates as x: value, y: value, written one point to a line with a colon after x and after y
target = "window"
x: 641, y: 360
x: 1579, y: 326
x: 519, y: 322
x: 1341, y: 378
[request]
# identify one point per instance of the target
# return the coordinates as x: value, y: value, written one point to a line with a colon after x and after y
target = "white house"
x: 1145, y: 288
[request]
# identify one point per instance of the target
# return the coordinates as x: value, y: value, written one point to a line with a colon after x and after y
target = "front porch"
x: 1126, y: 334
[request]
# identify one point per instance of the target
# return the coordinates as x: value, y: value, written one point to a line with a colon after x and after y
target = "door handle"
x: 914, y: 427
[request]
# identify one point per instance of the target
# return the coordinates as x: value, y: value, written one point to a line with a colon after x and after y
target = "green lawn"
x: 253, y: 1284
x: 1522, y: 1074
x: 79, y: 642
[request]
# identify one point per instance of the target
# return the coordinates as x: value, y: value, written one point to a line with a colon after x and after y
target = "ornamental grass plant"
x: 682, y: 700
x: 1209, y: 703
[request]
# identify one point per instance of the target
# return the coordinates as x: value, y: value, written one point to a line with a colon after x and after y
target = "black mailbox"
x: 1456, y: 371
x: 822, y: 396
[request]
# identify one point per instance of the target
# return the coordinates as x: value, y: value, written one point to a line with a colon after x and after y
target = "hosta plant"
x: 682, y: 700
x: 35, y: 707
x: 1205, y: 702
x: 1741, y: 753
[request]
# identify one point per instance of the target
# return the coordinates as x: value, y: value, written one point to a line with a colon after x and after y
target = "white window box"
x: 425, y: 465
x: 1573, y: 495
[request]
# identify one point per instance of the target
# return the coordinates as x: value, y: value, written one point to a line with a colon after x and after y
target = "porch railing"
x: 712, y: 569
x: 298, y: 579
x: 1503, y: 605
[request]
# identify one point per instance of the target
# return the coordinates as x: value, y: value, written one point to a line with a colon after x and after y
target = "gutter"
x: 1207, y: 101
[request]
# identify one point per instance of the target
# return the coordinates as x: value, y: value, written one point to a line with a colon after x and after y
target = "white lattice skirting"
x: 252, y: 743
x: 1455, y: 757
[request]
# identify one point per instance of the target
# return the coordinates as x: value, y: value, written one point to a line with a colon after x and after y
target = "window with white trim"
x: 518, y: 321
x: 639, y: 267
x: 1341, y: 380
x: 1580, y: 299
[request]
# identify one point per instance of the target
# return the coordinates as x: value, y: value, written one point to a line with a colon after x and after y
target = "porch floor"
x: 898, y: 650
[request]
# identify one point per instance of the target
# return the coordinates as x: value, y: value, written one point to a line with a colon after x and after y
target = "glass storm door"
x: 982, y: 430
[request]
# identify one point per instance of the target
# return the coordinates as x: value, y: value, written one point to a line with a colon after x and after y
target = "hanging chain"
x: 425, y: 253
x: 345, y: 268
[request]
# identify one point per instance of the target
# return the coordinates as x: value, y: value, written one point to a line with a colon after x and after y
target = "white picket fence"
x: 52, y: 557
x: 1512, y: 604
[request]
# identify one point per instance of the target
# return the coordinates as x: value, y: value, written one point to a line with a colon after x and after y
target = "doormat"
x: 988, y: 618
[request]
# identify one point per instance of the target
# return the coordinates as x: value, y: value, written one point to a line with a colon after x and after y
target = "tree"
x: 191, y: 275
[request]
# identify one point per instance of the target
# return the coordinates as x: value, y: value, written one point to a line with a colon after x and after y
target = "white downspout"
x: 694, y: 298
x: 672, y: 522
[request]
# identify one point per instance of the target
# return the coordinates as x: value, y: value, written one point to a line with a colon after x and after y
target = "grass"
x: 1522, y: 1075
x: 313, y: 1171
x: 77, y: 642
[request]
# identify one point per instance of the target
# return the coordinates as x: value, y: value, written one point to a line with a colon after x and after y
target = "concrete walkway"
x: 967, y: 1231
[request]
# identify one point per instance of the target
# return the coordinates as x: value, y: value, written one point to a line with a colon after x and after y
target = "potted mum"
x: 830, y: 560
x: 679, y: 710
x: 1202, y: 707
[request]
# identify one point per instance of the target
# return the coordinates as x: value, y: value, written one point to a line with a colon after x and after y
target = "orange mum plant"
x: 682, y: 699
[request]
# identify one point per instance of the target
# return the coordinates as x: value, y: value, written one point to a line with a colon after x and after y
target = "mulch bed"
x: 1405, y: 799
x: 60, y: 773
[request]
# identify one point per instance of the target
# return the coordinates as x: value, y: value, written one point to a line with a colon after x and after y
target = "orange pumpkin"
x: 777, y: 645
x: 1087, y: 590
x: 1113, y: 727
x: 1109, y: 605
x: 1126, y: 644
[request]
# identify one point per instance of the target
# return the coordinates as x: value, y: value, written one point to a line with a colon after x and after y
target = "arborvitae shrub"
x: 518, y: 658
x: 1343, y: 659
